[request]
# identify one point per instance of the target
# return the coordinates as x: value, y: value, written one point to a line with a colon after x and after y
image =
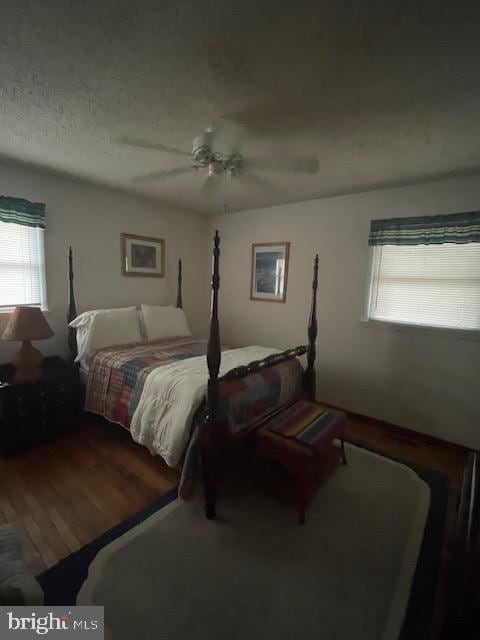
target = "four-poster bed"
x: 218, y: 423
x: 213, y: 428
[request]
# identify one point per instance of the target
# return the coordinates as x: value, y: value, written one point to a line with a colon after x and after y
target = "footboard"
x: 213, y: 429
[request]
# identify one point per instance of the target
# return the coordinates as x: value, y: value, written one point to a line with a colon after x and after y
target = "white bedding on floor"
x: 171, y: 395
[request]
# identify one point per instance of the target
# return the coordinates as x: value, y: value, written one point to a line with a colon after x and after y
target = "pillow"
x: 105, y: 328
x: 164, y: 322
x: 82, y: 324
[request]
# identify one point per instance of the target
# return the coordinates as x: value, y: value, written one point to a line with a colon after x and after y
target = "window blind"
x: 22, y: 265
x: 432, y: 285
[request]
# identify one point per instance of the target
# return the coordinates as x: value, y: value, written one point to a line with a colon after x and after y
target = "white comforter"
x: 171, y: 395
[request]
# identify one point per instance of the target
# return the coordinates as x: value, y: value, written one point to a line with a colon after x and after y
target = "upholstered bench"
x: 300, y: 440
x: 18, y: 586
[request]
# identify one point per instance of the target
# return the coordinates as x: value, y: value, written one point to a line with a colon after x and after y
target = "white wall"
x: 91, y: 218
x: 424, y: 380
x: 427, y: 381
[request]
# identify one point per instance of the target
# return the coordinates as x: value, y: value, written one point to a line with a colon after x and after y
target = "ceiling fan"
x: 203, y: 157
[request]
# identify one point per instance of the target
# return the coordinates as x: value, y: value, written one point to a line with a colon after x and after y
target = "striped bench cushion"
x: 309, y: 423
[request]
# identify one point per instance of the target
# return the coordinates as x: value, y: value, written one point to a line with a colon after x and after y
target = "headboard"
x: 72, y: 309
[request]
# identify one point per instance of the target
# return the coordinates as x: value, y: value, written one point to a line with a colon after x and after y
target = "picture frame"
x: 269, y: 273
x: 142, y: 256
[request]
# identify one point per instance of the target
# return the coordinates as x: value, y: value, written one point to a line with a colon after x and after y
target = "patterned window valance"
x: 20, y: 211
x: 457, y: 228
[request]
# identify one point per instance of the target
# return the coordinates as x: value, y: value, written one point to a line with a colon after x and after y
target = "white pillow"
x: 82, y: 324
x: 103, y: 328
x: 164, y: 322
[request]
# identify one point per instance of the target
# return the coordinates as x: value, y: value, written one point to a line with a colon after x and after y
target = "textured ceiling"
x: 382, y: 93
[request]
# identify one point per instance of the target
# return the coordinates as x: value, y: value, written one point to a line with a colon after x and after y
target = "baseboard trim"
x: 405, y: 434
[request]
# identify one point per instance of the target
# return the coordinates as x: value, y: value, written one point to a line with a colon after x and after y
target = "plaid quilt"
x: 117, y: 375
x: 243, y: 403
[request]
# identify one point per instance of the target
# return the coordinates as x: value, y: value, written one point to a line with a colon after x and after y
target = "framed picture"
x: 269, y: 271
x: 142, y: 256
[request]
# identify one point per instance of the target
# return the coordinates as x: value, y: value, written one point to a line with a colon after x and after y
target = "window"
x: 22, y: 257
x: 433, y: 284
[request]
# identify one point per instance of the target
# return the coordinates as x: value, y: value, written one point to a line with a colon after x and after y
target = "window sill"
x: 403, y: 327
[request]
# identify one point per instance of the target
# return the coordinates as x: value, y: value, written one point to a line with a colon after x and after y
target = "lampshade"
x: 27, y: 323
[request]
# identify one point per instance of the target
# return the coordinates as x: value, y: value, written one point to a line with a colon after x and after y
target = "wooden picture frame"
x: 142, y: 256
x: 269, y: 271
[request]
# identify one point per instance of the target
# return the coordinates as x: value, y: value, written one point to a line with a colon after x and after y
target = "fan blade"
x: 300, y: 164
x: 156, y: 175
x: 254, y: 180
x: 144, y: 144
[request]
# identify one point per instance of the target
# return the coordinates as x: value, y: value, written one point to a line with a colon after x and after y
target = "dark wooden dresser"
x: 33, y: 412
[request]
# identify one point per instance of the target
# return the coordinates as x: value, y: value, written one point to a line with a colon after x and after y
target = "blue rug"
x: 62, y: 582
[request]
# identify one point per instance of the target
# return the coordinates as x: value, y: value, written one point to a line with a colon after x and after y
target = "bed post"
x: 72, y: 310
x: 310, y: 376
x: 179, y: 286
x: 209, y: 470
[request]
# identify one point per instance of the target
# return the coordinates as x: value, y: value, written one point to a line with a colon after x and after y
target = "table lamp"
x: 26, y: 324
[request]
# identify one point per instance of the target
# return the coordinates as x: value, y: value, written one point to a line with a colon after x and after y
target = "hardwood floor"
x: 434, y: 454
x: 65, y: 493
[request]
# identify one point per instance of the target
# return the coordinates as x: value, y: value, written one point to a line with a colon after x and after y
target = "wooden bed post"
x: 310, y: 376
x: 72, y: 309
x: 214, y: 351
x: 179, y: 286
x: 208, y: 430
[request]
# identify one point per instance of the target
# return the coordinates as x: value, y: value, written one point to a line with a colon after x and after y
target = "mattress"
x: 155, y: 389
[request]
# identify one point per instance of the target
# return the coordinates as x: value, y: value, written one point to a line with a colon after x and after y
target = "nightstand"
x: 33, y: 412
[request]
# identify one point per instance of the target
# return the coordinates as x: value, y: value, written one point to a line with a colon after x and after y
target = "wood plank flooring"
x: 65, y: 493
x: 434, y: 454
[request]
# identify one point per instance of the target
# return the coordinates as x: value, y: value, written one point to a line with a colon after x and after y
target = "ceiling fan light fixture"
x: 201, y: 151
x: 199, y: 142
x: 215, y: 168
x: 201, y: 155
x: 204, y: 158
x: 233, y: 164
